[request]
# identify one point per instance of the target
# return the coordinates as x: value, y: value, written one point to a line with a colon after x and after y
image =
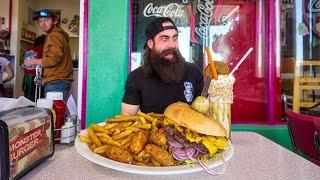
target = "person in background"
x: 6, y: 73
x: 165, y: 76
x: 56, y: 60
x: 28, y: 84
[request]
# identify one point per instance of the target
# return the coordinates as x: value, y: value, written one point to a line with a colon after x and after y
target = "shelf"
x: 26, y: 40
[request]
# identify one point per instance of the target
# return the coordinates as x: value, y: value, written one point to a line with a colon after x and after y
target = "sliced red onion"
x: 190, y: 153
x: 206, y: 168
x: 210, y: 171
x: 174, y: 144
x: 201, y: 150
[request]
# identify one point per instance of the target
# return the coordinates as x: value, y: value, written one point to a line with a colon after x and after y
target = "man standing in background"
x: 56, y: 60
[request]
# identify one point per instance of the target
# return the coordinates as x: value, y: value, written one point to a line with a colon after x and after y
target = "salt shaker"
x: 68, y: 132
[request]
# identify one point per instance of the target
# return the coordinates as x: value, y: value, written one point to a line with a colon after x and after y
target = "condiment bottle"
x: 48, y: 104
x: 61, y: 108
x: 68, y: 131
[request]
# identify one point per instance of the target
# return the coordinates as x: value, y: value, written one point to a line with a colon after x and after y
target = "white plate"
x: 84, y: 151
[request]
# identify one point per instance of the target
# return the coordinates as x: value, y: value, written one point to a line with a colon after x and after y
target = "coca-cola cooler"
x: 229, y: 28
x: 26, y: 140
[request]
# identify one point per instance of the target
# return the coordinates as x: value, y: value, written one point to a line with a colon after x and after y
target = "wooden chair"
x: 301, y: 130
x: 303, y: 85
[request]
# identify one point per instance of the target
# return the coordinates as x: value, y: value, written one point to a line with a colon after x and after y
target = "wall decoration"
x: 28, y: 34
x: 74, y: 25
x: 65, y: 20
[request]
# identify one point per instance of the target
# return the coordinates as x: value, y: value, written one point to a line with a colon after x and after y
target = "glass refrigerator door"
x: 229, y: 28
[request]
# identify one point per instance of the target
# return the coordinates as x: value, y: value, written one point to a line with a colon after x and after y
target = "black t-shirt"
x: 153, y: 95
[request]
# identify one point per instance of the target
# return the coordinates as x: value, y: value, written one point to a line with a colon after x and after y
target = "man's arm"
x: 129, y: 109
x: 9, y: 71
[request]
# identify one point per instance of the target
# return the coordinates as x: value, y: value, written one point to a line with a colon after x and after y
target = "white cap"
x: 54, y: 95
x: 45, y: 103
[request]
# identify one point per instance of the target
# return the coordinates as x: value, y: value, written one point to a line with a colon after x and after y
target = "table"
x: 255, y: 157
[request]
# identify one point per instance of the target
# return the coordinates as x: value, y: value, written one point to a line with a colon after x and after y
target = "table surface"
x: 255, y: 157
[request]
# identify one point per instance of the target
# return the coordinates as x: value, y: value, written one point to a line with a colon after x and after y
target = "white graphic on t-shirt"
x: 188, y: 91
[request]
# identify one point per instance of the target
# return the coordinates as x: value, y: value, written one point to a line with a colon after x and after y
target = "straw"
x: 241, y: 61
x: 211, y: 63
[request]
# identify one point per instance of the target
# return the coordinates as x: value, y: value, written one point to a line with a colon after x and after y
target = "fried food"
x: 85, y: 139
x: 138, y: 142
x: 221, y: 67
x: 110, y: 141
x: 118, y: 154
x: 147, y: 117
x: 123, y: 119
x: 124, y: 138
x: 94, y: 138
x: 99, y: 150
x: 143, y: 126
x: 99, y: 129
x: 159, y: 155
x: 154, y: 162
x: 142, y: 157
x: 158, y: 138
x: 122, y: 134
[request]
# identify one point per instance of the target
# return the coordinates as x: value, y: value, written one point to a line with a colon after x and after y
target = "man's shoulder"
x: 57, y: 32
x: 137, y: 73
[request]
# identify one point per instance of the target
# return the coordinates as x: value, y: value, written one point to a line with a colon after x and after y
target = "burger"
x: 191, y: 136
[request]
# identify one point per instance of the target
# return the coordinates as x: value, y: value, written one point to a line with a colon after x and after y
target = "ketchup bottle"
x: 60, y: 108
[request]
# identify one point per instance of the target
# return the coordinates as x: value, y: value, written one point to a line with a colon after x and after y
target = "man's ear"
x: 55, y: 21
x: 150, y: 43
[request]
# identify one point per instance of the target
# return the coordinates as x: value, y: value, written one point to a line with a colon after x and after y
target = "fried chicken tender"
x: 138, y: 141
x: 159, y: 155
x: 158, y: 138
x: 118, y: 154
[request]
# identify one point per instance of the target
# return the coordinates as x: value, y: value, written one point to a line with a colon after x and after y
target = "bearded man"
x: 165, y: 76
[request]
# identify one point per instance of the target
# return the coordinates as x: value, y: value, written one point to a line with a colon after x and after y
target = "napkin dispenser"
x: 26, y: 140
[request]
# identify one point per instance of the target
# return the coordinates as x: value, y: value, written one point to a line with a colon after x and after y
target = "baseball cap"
x: 155, y: 26
x: 43, y: 13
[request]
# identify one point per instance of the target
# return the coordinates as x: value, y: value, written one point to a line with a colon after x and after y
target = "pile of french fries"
x: 118, y: 131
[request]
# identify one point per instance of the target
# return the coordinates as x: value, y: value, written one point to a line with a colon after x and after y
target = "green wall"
x: 107, y: 58
x: 278, y: 133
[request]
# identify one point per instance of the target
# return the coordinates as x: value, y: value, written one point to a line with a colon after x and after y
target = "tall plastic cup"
x: 60, y: 108
x: 220, y: 95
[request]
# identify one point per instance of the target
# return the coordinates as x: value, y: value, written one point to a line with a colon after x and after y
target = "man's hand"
x: 129, y: 109
x: 32, y: 61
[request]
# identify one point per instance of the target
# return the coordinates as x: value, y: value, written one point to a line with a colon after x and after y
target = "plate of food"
x: 179, y: 141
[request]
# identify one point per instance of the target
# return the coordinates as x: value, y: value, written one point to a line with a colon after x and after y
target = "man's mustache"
x: 169, y: 51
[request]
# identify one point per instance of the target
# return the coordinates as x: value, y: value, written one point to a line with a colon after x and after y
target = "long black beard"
x: 169, y: 71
